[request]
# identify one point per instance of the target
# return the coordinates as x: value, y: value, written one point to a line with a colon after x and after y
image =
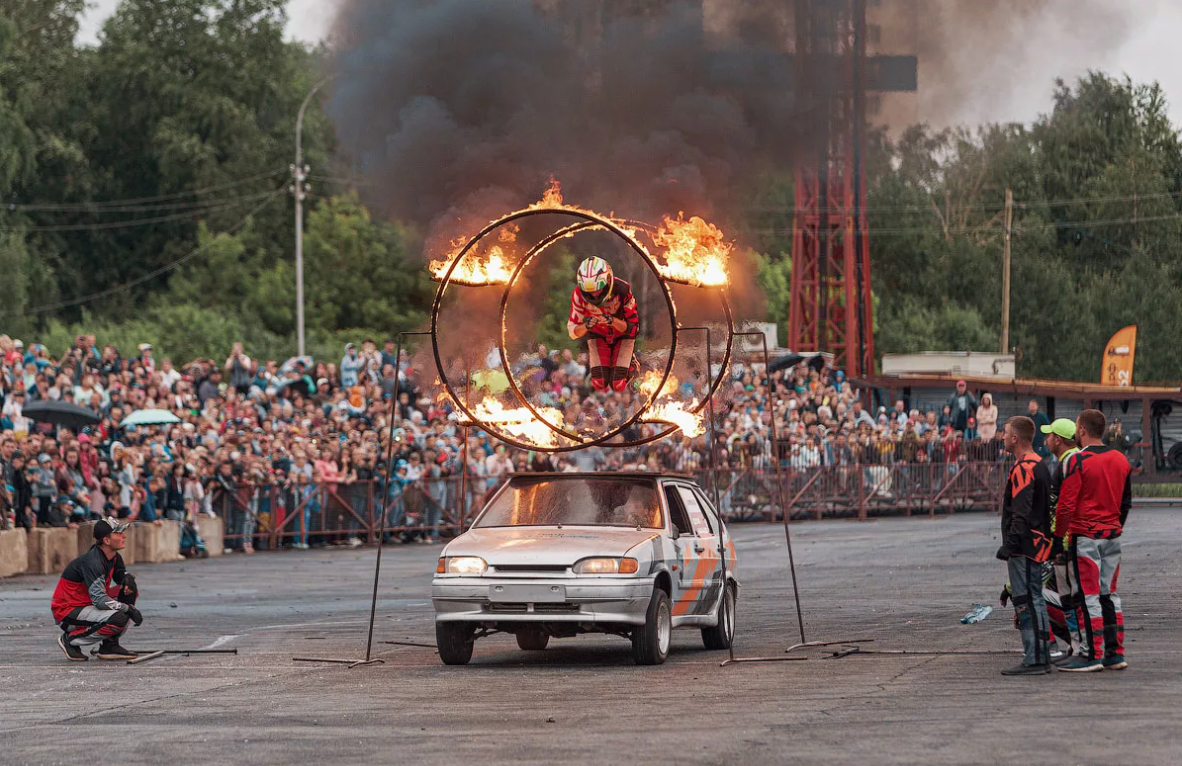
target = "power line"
x: 184, y: 215
x: 87, y: 209
x: 144, y: 200
x: 988, y: 207
x: 200, y: 250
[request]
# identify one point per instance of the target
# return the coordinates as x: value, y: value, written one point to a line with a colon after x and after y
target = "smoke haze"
x: 460, y: 110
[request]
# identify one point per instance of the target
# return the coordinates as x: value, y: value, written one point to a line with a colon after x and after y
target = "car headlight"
x: 607, y: 566
x: 461, y: 565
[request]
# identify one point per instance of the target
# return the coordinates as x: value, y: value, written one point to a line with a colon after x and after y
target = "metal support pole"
x: 377, y: 569
x: 714, y: 481
x: 767, y: 369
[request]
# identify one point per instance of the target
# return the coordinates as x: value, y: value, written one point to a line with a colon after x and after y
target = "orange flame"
x: 551, y: 198
x: 490, y: 269
x: 696, y: 252
x: 677, y: 413
x: 648, y: 382
x: 520, y: 422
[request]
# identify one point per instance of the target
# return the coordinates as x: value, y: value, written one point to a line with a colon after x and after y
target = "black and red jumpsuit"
x: 90, y: 603
x: 609, y: 349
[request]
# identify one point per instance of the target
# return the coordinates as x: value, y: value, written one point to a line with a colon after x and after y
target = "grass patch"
x: 1157, y: 490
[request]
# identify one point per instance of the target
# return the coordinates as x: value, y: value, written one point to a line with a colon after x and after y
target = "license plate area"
x: 527, y: 594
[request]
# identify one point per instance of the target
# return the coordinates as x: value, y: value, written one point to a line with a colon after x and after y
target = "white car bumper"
x: 590, y: 599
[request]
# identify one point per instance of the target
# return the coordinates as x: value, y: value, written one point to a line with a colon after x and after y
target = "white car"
x: 557, y: 555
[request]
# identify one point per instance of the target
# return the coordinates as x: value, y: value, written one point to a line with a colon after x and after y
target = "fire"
x: 520, y: 422
x: 551, y: 198
x: 490, y: 269
x: 648, y: 382
x: 696, y: 252
x: 676, y: 413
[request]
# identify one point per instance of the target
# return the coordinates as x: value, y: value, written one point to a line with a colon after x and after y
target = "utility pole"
x: 299, y: 189
x: 1005, y: 274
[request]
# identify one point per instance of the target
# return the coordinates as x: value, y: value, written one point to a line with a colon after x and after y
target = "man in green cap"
x: 1060, y: 441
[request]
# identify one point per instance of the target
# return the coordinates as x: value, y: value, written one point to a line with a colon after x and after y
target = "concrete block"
x: 170, y: 541
x: 50, y: 549
x: 85, y: 536
x: 128, y: 552
x: 211, y: 530
x: 14, y: 552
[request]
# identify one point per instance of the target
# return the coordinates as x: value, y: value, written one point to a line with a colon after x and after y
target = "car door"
x: 683, y: 543
x: 701, y: 563
x: 717, y: 525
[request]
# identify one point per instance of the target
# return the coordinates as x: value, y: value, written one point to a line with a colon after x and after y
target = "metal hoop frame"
x: 588, y: 220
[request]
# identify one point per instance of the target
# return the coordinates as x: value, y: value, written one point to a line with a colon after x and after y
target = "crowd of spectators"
x: 266, y: 439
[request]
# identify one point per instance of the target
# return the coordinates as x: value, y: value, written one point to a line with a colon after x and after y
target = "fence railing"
x: 271, y: 516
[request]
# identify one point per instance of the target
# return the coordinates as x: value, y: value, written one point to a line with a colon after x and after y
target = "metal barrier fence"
x: 272, y: 516
x: 860, y: 491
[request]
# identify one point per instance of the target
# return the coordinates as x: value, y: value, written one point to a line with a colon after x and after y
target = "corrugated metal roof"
x: 1028, y: 386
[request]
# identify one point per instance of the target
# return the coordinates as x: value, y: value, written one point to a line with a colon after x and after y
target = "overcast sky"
x: 1149, y: 54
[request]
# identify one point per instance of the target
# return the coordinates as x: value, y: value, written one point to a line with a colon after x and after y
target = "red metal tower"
x: 831, y: 307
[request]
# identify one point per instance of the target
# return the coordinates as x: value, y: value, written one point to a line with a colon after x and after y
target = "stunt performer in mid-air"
x: 604, y: 308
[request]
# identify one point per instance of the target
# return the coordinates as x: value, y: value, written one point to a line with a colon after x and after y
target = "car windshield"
x: 606, y: 502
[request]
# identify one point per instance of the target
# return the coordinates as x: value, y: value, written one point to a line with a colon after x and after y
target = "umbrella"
x: 493, y: 380
x: 61, y: 414
x: 290, y: 364
x: 816, y: 360
x: 149, y: 418
x: 302, y: 384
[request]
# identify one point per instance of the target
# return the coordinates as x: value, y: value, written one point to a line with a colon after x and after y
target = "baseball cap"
x: 961, y: 383
x: 107, y: 526
x: 1062, y: 427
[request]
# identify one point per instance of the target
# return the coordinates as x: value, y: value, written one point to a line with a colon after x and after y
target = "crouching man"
x: 95, y: 597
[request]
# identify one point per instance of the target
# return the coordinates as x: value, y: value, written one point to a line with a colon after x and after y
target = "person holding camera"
x: 95, y: 598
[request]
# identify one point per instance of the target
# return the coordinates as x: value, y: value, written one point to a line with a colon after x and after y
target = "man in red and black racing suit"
x: 603, y: 310
x: 95, y: 597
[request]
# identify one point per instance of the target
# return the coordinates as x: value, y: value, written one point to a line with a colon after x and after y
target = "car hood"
x: 546, y: 546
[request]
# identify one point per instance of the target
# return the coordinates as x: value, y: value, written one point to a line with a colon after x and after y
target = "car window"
x: 696, y: 516
x: 529, y: 501
x: 711, y: 515
x: 677, y: 512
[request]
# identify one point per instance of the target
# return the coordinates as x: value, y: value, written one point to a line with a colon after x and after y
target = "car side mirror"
x: 675, y: 533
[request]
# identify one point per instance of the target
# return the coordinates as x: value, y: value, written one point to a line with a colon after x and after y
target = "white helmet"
x: 595, y: 280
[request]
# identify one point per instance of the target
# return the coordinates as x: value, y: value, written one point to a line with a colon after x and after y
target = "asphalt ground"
x: 903, y: 582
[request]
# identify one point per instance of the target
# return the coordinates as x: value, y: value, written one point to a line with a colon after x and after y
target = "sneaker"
x: 1065, y: 658
x: 1027, y: 670
x: 353, y: 542
x: 1080, y: 665
x: 72, y: 652
x: 1115, y: 663
x: 111, y: 650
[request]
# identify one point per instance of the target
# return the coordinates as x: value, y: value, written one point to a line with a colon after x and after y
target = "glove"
x: 592, y: 322
x: 135, y: 615
x: 129, y: 583
x: 1005, y: 596
x: 1004, y: 553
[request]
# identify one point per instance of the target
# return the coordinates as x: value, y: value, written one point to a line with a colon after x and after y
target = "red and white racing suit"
x: 610, y: 352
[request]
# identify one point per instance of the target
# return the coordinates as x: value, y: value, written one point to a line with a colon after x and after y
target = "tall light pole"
x: 299, y: 174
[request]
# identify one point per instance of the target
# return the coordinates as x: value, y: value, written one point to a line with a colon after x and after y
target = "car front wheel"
x: 455, y: 641
x: 721, y: 635
x: 650, y: 642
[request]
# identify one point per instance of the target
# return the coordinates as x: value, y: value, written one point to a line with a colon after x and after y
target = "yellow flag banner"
x: 1118, y: 358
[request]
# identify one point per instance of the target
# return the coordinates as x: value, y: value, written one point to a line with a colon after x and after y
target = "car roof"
x: 599, y: 475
